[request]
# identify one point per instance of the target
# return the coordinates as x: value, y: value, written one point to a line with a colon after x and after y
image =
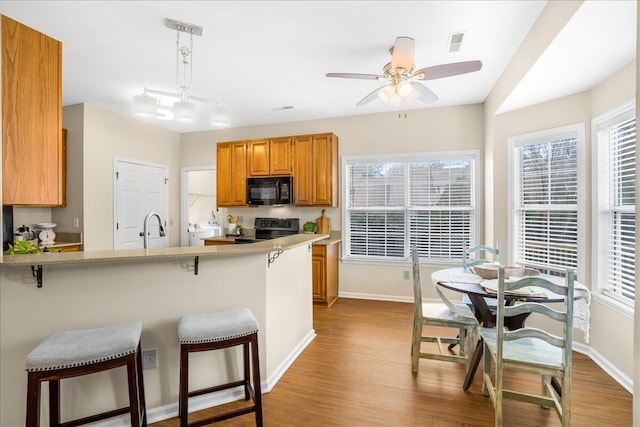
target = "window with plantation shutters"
x: 545, y: 208
x: 614, y: 210
x: 392, y: 202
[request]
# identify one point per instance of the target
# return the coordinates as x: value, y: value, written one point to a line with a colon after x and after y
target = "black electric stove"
x: 270, y: 228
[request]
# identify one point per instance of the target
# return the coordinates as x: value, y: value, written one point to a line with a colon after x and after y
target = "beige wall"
x: 108, y: 135
x: 73, y: 122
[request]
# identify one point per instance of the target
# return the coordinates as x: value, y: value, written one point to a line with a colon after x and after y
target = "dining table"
x: 465, y: 281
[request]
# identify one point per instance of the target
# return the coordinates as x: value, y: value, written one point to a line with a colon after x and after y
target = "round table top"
x: 477, y: 289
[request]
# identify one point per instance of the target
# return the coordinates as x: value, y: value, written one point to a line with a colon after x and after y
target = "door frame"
x: 116, y: 160
x: 184, y: 199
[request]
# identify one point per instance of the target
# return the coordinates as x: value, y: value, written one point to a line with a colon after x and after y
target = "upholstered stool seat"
x: 214, y: 331
x: 74, y: 353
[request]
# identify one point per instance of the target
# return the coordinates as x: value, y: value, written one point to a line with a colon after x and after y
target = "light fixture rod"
x: 184, y: 27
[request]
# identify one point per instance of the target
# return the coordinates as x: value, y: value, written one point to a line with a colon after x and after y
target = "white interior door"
x: 140, y: 188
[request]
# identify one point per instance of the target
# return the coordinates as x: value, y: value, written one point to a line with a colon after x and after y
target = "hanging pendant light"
x: 185, y: 107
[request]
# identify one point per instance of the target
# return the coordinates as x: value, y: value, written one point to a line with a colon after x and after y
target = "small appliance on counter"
x: 47, y: 235
x: 270, y: 228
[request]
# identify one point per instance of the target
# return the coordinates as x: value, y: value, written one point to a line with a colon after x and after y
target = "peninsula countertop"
x: 172, y: 253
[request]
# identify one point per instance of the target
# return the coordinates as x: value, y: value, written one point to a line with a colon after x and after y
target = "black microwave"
x: 275, y: 190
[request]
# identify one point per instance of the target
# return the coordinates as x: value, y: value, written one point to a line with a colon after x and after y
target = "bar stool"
x: 74, y: 353
x: 214, y: 331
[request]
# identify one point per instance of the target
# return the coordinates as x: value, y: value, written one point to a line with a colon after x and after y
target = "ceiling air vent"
x: 455, y: 41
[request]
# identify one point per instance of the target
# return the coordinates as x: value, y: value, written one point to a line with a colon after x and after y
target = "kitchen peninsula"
x: 97, y: 288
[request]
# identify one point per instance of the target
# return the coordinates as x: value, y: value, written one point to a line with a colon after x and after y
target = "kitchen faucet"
x: 145, y: 233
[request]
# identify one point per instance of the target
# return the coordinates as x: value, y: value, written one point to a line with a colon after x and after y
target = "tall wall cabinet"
x: 33, y: 149
x: 315, y: 169
x: 231, y: 174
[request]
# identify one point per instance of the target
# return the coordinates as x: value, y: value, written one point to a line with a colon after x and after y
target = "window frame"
x: 514, y: 142
x: 473, y: 155
x: 600, y: 222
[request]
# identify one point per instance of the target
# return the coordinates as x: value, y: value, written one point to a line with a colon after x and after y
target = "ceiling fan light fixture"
x: 404, y: 89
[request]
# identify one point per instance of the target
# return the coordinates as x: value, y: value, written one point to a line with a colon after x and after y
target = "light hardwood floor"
x: 357, y: 372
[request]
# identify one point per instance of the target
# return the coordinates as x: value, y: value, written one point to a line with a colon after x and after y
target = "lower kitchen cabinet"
x: 324, y: 264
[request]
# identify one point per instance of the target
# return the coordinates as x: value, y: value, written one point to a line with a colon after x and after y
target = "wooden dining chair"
x: 530, y: 349
x: 439, y: 314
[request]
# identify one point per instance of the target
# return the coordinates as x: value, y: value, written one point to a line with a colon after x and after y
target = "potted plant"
x: 310, y: 227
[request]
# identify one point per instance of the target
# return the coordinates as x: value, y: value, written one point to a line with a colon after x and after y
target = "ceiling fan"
x: 402, y: 75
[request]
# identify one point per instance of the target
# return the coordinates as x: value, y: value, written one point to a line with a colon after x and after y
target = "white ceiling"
x: 256, y: 57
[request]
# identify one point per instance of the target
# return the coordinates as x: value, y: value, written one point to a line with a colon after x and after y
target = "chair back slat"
x: 466, y: 251
x: 534, y: 333
x: 536, y: 281
x: 534, y: 307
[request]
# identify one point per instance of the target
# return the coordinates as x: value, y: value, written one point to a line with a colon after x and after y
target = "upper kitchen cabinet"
x: 269, y: 157
x: 33, y: 150
x: 231, y: 174
x: 315, y: 170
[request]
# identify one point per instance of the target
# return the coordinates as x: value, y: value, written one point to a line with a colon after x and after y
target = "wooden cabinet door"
x: 258, y: 157
x: 303, y: 170
x: 231, y: 174
x: 280, y: 156
x: 223, y: 174
x: 32, y: 144
x: 238, y: 174
x: 323, y: 174
x: 318, y: 268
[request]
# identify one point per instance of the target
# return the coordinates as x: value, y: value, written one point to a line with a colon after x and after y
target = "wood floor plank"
x: 357, y: 372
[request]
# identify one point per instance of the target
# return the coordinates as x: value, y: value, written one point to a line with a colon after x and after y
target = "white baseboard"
x: 601, y: 361
x: 214, y: 399
x: 606, y: 366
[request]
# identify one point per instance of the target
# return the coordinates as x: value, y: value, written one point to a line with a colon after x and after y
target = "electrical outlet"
x: 406, y: 275
x: 150, y: 359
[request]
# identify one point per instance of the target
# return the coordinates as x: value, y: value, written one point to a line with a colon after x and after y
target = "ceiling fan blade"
x: 448, y: 70
x: 402, y: 53
x: 357, y: 76
x: 424, y: 93
x: 373, y: 95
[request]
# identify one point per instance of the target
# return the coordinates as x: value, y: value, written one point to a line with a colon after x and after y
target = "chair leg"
x: 257, y: 389
x: 141, y: 396
x: 54, y: 402
x: 33, y: 400
x: 415, y: 348
x: 132, y: 378
x: 247, y: 375
x: 486, y: 372
x: 183, y: 398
